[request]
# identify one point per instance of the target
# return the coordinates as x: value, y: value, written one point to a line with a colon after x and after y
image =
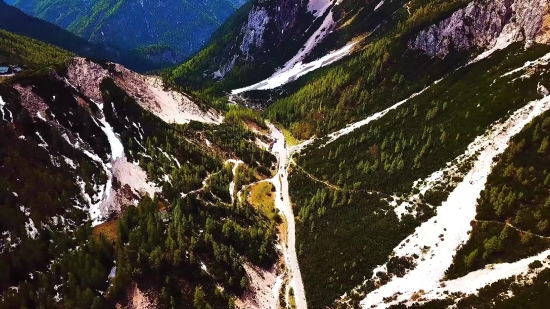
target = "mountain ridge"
x: 182, y: 26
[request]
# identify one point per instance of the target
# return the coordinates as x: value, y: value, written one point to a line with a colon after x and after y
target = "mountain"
x: 405, y: 164
x: 421, y: 155
x: 104, y: 171
x: 24, y: 51
x: 15, y: 21
x: 265, y: 37
x: 181, y: 26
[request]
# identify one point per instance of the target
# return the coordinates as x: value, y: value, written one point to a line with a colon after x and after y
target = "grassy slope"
x: 262, y: 196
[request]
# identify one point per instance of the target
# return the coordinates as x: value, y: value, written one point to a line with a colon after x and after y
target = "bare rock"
x: 485, y: 24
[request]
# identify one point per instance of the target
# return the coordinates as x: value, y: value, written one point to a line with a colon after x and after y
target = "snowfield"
x: 298, y: 70
x: 318, y: 7
x: 453, y: 221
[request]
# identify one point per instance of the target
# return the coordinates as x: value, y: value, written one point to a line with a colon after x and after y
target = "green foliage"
x: 236, y: 114
x: 194, y: 246
x: 340, y: 235
x: 413, y: 141
x: 17, y: 22
x: 514, y: 203
x: 385, y: 72
x: 19, y: 50
x: 183, y: 26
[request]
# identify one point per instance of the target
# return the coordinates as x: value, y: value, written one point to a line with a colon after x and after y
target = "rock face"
x: 268, y: 27
x: 486, y: 24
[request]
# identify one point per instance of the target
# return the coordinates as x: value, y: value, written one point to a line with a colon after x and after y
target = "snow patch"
x: 69, y: 162
x: 41, y: 117
x: 43, y: 144
x: 32, y: 232
x: 295, y: 68
x: 203, y: 267
x: 232, y: 184
x: 117, y: 149
x: 455, y: 216
x: 2, y: 104
x: 2, y: 107
x: 298, y: 70
x: 379, y: 5
x: 25, y: 210
x: 318, y: 7
x: 112, y: 273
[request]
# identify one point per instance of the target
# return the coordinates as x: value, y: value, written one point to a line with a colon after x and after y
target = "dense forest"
x: 421, y: 136
x: 187, y: 245
x: 385, y: 157
x: 20, y: 50
x: 341, y: 236
x: 513, y: 210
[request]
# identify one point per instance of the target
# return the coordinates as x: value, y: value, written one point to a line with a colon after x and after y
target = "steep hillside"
x: 24, y: 51
x: 387, y: 207
x: 405, y: 165
x: 116, y: 190
x: 181, y: 26
x: 268, y: 44
x: 15, y: 21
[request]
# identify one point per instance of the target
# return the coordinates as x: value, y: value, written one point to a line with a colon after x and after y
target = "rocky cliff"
x: 486, y: 24
x: 268, y: 25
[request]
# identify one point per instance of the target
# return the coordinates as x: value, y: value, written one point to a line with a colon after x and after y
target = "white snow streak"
x: 117, y: 149
x: 352, y: 127
x: 2, y: 103
x: 379, y: 5
x: 232, y: 184
x: 541, y: 61
x: 295, y: 68
x: 2, y: 107
x: 43, y: 144
x: 299, y: 69
x: 455, y: 215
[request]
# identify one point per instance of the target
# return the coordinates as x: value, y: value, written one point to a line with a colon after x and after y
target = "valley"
x: 309, y: 154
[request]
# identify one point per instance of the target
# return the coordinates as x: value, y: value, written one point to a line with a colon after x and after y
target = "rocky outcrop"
x: 268, y: 25
x: 148, y: 91
x: 253, y: 31
x: 486, y: 24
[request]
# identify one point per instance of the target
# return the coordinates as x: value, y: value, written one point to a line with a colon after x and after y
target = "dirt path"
x: 282, y: 202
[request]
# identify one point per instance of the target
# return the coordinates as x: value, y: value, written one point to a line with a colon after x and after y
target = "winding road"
x: 280, y: 181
